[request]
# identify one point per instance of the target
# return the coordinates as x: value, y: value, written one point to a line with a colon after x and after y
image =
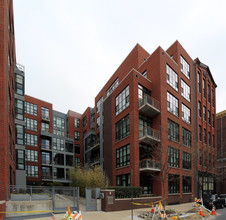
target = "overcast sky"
x: 70, y: 48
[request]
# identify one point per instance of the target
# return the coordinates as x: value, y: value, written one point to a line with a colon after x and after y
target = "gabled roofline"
x: 207, y: 68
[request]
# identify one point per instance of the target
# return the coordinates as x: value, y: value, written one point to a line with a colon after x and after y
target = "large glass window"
x: 31, y: 140
x: 199, y: 109
x: 20, y: 134
x: 32, y: 155
x: 185, y: 68
x: 112, y: 87
x: 209, y: 119
x: 58, y: 122
x: 77, y: 135
x: 213, y: 121
x: 77, y: 123
x: 200, y: 133
x: 172, y: 77
x: 45, y: 127
x: 204, y: 135
x: 187, y: 184
x: 199, y: 85
x: 69, y: 146
x: 45, y: 144
x: 212, y: 98
x: 46, y: 158
x: 173, y: 131
x: 123, y: 180
x: 144, y: 123
x: 31, y: 124
x: 208, y: 92
x: 19, y: 109
x: 99, y: 103
x: 30, y: 108
x: 77, y: 161
x: 58, y: 144
x: 172, y: 104
x: 58, y: 173
x: 19, y: 84
x: 77, y: 149
x: 204, y: 112
x: 173, y: 184
x: 186, y: 160
x: 185, y: 90
x: 122, y: 128
x: 142, y: 92
x: 186, y: 114
x: 32, y: 171
x: 173, y: 157
x: 209, y: 138
x: 122, y: 101
x: 45, y: 113
x: 186, y: 137
x: 123, y: 156
x: 204, y: 88
x: 58, y: 159
x: 20, y: 160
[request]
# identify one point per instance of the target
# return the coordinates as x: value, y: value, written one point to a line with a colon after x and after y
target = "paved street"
x: 222, y: 213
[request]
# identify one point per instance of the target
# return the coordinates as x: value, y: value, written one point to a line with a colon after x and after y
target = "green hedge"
x: 125, y: 191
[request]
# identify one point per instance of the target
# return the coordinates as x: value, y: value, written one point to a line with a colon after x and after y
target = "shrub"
x: 125, y: 191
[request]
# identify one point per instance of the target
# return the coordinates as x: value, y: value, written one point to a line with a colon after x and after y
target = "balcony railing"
x: 47, y: 177
x: 46, y: 162
x: 149, y: 135
x: 149, y: 164
x: 45, y: 147
x: 45, y: 118
x: 149, y: 106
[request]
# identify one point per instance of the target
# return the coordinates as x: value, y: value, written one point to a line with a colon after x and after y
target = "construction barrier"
x: 213, y: 210
x: 71, y: 216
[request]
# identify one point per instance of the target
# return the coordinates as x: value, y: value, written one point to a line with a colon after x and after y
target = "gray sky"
x: 70, y: 48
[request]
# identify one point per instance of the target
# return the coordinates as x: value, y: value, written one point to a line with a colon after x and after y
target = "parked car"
x: 215, y: 199
x: 223, y: 196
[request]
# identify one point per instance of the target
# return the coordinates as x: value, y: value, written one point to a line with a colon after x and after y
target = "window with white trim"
x: 172, y: 77
x: 122, y: 101
x: 186, y: 114
x: 172, y: 104
x: 185, y: 68
x: 185, y: 90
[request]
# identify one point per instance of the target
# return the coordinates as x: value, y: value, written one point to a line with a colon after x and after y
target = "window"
x: 77, y: 162
x: 19, y: 134
x: 99, y: 103
x: 186, y: 160
x: 172, y: 77
x: 31, y: 124
x: 69, y: 146
x: 77, y: 136
x: 84, y: 121
x: 204, y: 112
x: 122, y: 101
x: 58, y: 159
x: 144, y: 73
x: 98, y: 122
x: 209, y: 119
x: 172, y: 104
x: 173, y: 131
x: 58, y: 173
x: 185, y: 68
x: 19, y: 84
x: 69, y: 160
x: 30, y: 108
x: 209, y: 160
x: 45, y: 144
x: 77, y: 149
x: 213, y: 141
x: 123, y: 156
x: 186, y: 114
x: 144, y: 125
x: 208, y: 92
x: 31, y: 140
x: 200, y: 157
x: 143, y: 92
x: 46, y: 173
x: 20, y: 160
x: 204, y: 88
x: 200, y: 133
x: 213, y: 122
x: 173, y: 184
x: 186, y: 184
x: 205, y: 155
x: 45, y: 113
x: 199, y: 86
x: 45, y: 127
x: 173, y: 157
x: 204, y: 136
x: 112, y: 87
x: 185, y: 90
x: 186, y: 135
x: 58, y: 122
x: 212, y: 98
x: 58, y: 144
x: 123, y: 180
x: 122, y: 128
x: 58, y: 132
x: 46, y: 158
x: 32, y: 155
x: 19, y: 109
x: 32, y: 171
x: 209, y: 138
x: 77, y: 123
x: 199, y: 109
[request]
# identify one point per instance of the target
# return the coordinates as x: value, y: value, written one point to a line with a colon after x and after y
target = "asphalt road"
x: 222, y: 213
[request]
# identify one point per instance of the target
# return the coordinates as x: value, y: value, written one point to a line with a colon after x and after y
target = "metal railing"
x: 149, y: 100
x: 45, y: 146
x: 149, y: 164
x: 47, y: 162
x: 47, y: 177
x: 148, y: 131
x: 45, y: 117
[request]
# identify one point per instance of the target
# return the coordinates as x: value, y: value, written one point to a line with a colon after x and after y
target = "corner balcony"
x: 149, y: 106
x: 45, y: 118
x: 149, y: 165
x: 149, y: 135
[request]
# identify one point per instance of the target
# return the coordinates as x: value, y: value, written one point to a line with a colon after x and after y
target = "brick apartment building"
x: 7, y: 87
x: 221, y: 152
x: 153, y: 123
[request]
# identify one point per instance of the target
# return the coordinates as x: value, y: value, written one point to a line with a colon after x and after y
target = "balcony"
x: 47, y: 177
x: 45, y: 132
x: 45, y: 118
x: 149, y: 135
x: 94, y: 162
x: 46, y: 147
x: 46, y: 162
x: 149, y: 106
x: 149, y: 165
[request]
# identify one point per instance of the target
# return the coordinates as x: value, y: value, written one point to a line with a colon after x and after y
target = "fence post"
x: 74, y: 197
x: 53, y: 197
x: 30, y: 192
x: 77, y: 190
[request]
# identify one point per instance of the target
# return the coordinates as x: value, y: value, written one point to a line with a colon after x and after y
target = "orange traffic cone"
x: 152, y: 209
x: 160, y: 207
x: 200, y: 211
x: 213, y: 210
x: 175, y: 217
